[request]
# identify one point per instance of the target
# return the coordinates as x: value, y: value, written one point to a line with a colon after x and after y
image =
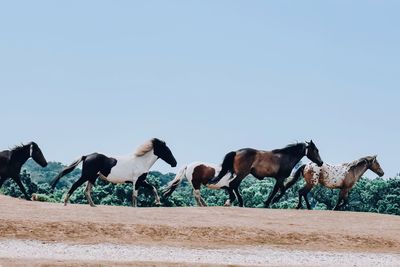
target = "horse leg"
x: 231, y: 198
x: 303, y: 193
x: 145, y: 184
x: 135, y: 193
x: 343, y: 197
x: 235, y: 187
x: 73, y: 188
x: 282, y: 190
x: 197, y: 196
x: 2, y: 180
x: 278, y: 185
x: 233, y: 194
x: 300, y: 204
x: 203, y: 202
x: 21, y: 186
x: 238, y: 196
x: 88, y: 192
x: 344, y: 203
x: 346, y: 198
x: 337, y: 207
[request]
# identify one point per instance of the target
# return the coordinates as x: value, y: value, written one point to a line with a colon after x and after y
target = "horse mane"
x: 144, y: 148
x: 357, y: 162
x: 289, y: 148
x: 19, y: 147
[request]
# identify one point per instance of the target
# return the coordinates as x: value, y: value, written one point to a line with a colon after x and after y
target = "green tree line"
x: 368, y: 195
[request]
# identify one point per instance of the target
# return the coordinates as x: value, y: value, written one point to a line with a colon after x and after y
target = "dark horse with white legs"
x: 11, y: 162
x: 123, y: 169
x: 277, y: 163
x: 342, y: 177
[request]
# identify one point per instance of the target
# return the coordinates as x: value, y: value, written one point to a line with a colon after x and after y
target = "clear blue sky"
x: 207, y: 76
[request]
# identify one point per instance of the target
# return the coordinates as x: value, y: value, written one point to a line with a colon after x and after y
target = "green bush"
x: 368, y: 195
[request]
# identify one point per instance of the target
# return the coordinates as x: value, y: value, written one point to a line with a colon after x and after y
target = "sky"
x: 208, y: 77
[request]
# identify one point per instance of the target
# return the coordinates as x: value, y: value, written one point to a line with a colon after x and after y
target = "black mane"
x: 290, y: 148
x: 20, y: 147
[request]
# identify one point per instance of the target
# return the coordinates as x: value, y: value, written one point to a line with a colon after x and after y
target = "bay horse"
x: 342, y: 177
x: 277, y: 164
x: 121, y: 169
x: 11, y: 162
x: 197, y: 174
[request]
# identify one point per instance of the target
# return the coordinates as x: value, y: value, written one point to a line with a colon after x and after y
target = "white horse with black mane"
x: 121, y: 169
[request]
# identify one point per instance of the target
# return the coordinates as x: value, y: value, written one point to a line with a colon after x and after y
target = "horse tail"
x: 227, y: 165
x: 66, y: 170
x: 295, y: 177
x: 174, y: 183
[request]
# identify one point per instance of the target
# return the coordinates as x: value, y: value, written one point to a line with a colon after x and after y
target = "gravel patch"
x: 254, y: 255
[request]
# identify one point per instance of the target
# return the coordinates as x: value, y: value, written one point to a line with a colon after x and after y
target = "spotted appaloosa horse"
x: 341, y: 177
x: 11, y: 162
x: 122, y: 169
x: 200, y: 173
x: 277, y: 163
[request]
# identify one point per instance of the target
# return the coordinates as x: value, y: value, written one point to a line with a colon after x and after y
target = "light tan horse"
x: 341, y: 177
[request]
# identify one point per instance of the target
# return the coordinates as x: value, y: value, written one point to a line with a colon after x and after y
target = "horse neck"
x: 360, y: 169
x: 20, y: 156
x: 295, y: 155
x: 145, y: 162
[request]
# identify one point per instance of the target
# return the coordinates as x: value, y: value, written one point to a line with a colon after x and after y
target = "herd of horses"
x: 236, y: 166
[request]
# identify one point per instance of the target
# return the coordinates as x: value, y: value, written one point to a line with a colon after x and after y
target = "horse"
x: 197, y: 174
x: 121, y: 169
x: 11, y: 162
x: 342, y: 177
x: 277, y: 164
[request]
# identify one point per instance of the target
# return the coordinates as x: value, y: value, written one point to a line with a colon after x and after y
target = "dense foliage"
x: 370, y: 195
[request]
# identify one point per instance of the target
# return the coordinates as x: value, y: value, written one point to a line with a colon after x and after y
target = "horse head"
x: 37, y: 155
x: 374, y: 166
x: 312, y: 153
x: 162, y: 151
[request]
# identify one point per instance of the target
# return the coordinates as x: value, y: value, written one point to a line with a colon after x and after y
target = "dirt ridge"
x: 199, y: 227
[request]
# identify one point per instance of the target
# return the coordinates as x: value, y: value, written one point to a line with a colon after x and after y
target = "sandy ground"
x: 41, y: 234
x: 254, y: 256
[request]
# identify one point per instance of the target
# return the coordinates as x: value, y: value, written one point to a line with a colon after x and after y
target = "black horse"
x: 131, y: 169
x: 11, y: 162
x: 277, y: 163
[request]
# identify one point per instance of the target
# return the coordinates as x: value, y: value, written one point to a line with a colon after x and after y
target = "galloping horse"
x: 277, y: 163
x: 199, y: 173
x: 341, y: 177
x: 122, y: 169
x: 11, y: 162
